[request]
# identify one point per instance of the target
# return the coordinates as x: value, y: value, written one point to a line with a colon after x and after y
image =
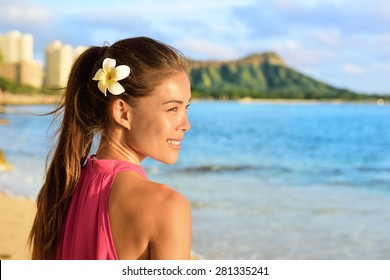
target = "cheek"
x: 151, y: 131
x: 156, y: 131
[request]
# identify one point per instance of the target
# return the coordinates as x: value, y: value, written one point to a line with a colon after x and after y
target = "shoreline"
x: 16, y: 218
x: 10, y: 99
x: 281, y: 101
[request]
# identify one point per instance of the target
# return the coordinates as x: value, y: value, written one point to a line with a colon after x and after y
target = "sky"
x: 345, y: 43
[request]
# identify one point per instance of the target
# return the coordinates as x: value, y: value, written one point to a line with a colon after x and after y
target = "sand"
x: 16, y: 217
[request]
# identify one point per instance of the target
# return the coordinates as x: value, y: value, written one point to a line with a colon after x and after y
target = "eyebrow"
x: 176, y: 101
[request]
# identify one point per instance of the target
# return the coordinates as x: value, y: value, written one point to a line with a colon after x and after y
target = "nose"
x: 185, y: 124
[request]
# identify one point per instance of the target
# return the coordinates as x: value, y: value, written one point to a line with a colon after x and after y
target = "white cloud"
x: 290, y: 45
x: 24, y: 15
x: 197, y: 48
x: 194, y: 19
x: 353, y: 69
x: 384, y: 9
x: 298, y: 55
x: 331, y: 38
x: 384, y: 39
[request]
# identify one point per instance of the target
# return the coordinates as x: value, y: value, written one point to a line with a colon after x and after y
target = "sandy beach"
x: 16, y: 217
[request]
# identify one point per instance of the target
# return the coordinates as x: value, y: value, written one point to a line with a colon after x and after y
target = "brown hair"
x: 83, y: 108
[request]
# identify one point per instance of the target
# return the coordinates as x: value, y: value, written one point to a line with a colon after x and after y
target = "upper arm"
x: 171, y: 236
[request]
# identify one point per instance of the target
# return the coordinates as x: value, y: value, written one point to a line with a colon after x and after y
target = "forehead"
x: 177, y: 87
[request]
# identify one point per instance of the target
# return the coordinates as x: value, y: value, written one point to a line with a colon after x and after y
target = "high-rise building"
x: 17, y: 63
x: 59, y: 61
x: 16, y: 47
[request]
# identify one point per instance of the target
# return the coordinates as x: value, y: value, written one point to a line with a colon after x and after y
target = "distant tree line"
x: 285, y: 94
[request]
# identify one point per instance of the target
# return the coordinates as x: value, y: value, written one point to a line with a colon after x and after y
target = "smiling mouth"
x: 174, y: 143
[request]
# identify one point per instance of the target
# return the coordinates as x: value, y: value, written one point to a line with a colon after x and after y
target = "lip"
x: 175, y: 143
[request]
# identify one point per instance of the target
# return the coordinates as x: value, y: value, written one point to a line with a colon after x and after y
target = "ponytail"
x: 75, y: 136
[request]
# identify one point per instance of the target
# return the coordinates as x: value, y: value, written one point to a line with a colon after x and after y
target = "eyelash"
x: 174, y: 109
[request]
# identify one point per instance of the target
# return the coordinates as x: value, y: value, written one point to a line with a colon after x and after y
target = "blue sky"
x: 345, y: 43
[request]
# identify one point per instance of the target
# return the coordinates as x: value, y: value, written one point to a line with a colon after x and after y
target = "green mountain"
x: 259, y: 76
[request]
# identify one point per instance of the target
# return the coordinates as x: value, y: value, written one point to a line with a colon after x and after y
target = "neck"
x: 115, y: 149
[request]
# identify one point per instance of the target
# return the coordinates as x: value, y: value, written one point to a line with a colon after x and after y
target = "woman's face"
x: 160, y: 120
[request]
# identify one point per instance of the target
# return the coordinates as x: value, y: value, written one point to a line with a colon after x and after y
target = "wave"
x: 216, y: 168
x: 373, y: 169
x: 229, y: 168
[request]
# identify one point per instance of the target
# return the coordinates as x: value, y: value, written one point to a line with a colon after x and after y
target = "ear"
x: 121, y: 113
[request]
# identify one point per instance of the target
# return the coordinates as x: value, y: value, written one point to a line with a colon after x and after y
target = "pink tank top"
x: 86, y: 233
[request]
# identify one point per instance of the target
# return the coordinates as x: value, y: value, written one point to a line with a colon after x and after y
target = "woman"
x: 135, y: 95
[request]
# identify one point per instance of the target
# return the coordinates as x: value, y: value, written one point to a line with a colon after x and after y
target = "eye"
x: 174, y: 109
x: 188, y: 106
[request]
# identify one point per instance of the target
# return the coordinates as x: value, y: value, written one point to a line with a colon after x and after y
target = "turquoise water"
x: 266, y: 181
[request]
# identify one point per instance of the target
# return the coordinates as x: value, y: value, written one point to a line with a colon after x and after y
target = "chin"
x: 167, y: 159
x: 170, y: 161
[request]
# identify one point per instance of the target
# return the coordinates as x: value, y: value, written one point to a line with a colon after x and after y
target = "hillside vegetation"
x: 260, y: 76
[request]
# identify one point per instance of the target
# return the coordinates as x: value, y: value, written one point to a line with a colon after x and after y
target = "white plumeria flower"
x: 109, y: 75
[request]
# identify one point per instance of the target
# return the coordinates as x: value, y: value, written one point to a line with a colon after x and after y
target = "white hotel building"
x: 59, y: 61
x: 17, y: 63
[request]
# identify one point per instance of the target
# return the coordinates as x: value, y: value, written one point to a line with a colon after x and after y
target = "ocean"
x: 265, y: 180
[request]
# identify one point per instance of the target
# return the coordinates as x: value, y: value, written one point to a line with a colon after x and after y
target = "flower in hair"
x: 109, y: 75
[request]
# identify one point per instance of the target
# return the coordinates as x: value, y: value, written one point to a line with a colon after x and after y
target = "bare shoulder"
x: 164, y: 197
x: 165, y: 204
x: 133, y: 191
